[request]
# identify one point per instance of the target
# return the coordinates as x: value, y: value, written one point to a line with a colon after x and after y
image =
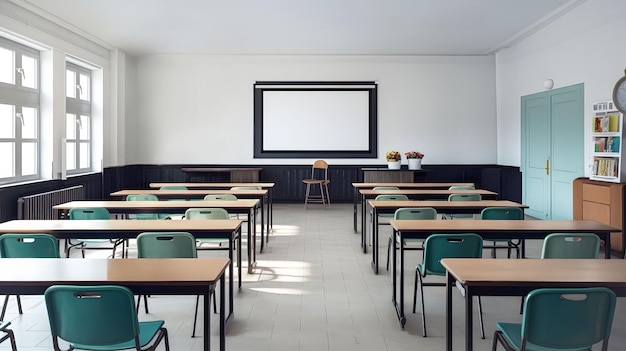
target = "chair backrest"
x: 321, y: 168
x: 568, y: 318
x: 91, y: 315
x: 409, y: 213
x: 438, y: 246
x: 245, y: 188
x: 464, y: 197
x: 90, y: 213
x: 144, y: 197
x: 461, y: 187
x: 28, y: 246
x: 386, y: 188
x: 166, y: 245
x: 220, y: 197
x: 502, y: 213
x: 391, y: 198
x: 206, y: 213
x: 571, y: 245
x: 173, y: 187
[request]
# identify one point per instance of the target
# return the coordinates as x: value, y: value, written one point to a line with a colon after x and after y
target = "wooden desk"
x: 258, y: 195
x: 236, y: 174
x: 137, y: 207
x: 486, y: 277
x: 411, y: 185
x: 454, y: 207
x: 172, y: 276
x: 227, y: 186
x: 418, y: 194
x: 488, y: 229
x: 111, y: 229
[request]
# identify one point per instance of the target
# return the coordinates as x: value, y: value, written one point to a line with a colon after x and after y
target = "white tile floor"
x: 313, y: 290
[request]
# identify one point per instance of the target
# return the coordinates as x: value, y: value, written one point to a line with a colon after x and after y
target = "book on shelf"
x: 605, y: 167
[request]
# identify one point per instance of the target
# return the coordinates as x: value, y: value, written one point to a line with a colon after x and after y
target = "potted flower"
x: 415, y: 159
x: 393, y: 159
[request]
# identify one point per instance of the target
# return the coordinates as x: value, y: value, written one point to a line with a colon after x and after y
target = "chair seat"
x: 512, y: 333
x: 147, y: 331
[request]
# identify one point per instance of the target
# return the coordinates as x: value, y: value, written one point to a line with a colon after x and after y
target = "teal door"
x: 552, y: 150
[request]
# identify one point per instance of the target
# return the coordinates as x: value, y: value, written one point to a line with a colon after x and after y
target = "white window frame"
x: 80, y: 108
x: 18, y: 96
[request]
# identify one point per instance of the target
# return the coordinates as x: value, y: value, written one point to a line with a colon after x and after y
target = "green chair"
x: 26, y: 246
x: 436, y: 248
x: 560, y: 319
x: 220, y: 197
x: 8, y: 334
x: 145, y: 197
x: 168, y: 245
x: 462, y: 197
x: 100, y: 318
x: 172, y: 187
x: 411, y: 213
x: 571, y: 245
x: 503, y: 213
x: 386, y: 217
x: 208, y: 213
x: 94, y: 213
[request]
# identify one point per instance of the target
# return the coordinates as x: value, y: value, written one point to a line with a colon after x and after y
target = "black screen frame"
x: 261, y: 86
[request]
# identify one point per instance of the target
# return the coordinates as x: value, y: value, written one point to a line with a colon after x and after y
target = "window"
x: 19, y: 112
x: 78, y: 119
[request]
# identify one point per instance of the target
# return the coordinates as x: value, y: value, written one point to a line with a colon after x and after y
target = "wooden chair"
x: 319, y: 176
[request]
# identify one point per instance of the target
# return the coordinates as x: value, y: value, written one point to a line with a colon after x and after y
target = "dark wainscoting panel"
x: 288, y: 178
x: 92, y: 184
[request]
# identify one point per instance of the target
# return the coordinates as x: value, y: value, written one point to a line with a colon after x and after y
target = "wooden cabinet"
x: 602, y: 202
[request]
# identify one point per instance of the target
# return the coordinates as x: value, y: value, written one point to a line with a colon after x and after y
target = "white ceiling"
x: 311, y: 27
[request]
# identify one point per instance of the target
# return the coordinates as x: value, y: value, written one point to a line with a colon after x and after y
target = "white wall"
x: 585, y: 46
x: 198, y: 109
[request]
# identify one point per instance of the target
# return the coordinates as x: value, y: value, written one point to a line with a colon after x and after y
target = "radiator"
x: 39, y: 206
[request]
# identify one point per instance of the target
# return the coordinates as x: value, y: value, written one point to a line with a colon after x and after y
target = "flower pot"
x: 393, y: 165
x: 415, y: 163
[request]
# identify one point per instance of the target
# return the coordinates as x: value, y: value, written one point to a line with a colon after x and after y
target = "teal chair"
x: 462, y: 197
x: 100, y: 318
x: 503, y: 213
x: 411, y: 213
x: 220, y: 197
x: 386, y: 217
x: 436, y: 248
x: 8, y: 335
x: 168, y: 245
x: 94, y: 213
x: 571, y: 245
x: 173, y: 187
x: 26, y: 246
x: 560, y: 319
x: 208, y: 213
x: 146, y: 197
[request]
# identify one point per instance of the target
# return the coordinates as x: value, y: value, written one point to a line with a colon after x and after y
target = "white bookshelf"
x: 607, y: 130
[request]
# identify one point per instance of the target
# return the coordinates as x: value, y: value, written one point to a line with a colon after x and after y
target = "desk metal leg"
x: 374, y: 241
x: 222, y: 310
x: 239, y: 234
x: 207, y: 315
x: 398, y: 305
x: 469, y: 321
x: 262, y: 225
x: 364, y: 226
x: 449, y: 286
x: 607, y: 245
x: 356, y: 198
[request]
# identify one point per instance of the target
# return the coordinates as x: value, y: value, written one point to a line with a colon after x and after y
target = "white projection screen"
x: 315, y: 119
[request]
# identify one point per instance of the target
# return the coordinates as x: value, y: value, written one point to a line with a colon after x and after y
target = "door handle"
x: 547, y: 167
